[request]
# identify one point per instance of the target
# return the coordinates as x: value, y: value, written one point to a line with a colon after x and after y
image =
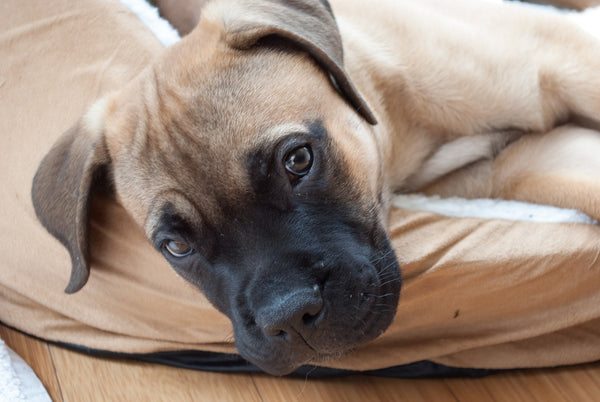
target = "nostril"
x: 274, y: 331
x: 313, y: 311
x: 309, y: 319
x: 296, y: 312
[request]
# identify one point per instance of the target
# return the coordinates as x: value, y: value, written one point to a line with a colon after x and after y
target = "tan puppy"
x: 259, y: 153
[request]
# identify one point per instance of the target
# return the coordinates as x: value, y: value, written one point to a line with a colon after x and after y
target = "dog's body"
x: 255, y: 165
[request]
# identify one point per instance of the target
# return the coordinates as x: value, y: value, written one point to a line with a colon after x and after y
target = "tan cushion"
x: 58, y: 57
x: 477, y: 293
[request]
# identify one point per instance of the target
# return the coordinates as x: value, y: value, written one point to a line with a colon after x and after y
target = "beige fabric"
x: 494, y: 294
x: 57, y: 58
x: 477, y: 293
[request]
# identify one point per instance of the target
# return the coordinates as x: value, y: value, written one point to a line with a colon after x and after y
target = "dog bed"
x: 478, y: 293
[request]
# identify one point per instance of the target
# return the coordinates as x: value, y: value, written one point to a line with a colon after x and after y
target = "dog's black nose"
x: 299, y: 310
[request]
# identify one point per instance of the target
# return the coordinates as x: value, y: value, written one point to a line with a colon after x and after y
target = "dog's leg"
x: 560, y: 168
x: 508, y: 67
x: 441, y: 70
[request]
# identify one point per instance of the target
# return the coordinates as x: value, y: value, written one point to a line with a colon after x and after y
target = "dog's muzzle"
x: 289, y: 317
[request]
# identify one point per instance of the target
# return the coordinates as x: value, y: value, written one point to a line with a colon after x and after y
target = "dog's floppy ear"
x: 62, y: 187
x: 310, y: 24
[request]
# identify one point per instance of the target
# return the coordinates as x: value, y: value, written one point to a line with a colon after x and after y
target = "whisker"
x: 389, y: 281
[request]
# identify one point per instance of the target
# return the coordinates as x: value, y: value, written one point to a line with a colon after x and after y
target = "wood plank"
x: 358, y: 388
x: 37, y: 355
x: 578, y: 383
x: 84, y: 377
x: 80, y: 377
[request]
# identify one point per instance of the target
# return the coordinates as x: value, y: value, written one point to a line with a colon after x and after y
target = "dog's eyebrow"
x: 309, y: 129
x: 274, y: 133
x: 170, y: 220
x: 173, y: 213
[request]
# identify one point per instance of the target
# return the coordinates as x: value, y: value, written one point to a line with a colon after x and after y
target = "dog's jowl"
x: 263, y: 175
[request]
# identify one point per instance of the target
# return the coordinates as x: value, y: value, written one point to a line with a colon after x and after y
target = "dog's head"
x: 249, y: 159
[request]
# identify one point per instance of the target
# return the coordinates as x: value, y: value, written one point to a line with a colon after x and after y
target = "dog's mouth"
x: 310, y: 324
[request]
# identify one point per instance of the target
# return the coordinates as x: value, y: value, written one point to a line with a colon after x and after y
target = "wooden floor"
x: 70, y: 376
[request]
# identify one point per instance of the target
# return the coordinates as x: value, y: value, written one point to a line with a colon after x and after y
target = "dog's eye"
x: 177, y: 248
x: 299, y: 161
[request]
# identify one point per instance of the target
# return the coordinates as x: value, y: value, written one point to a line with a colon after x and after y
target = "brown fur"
x: 557, y: 168
x: 448, y: 93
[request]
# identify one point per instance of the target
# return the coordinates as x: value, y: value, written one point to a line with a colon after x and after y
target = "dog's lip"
x: 273, y: 364
x: 278, y: 364
x: 371, y: 317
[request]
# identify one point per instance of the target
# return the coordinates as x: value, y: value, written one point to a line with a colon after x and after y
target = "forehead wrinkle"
x: 182, y: 204
x: 261, y: 84
x: 208, y: 177
x: 238, y: 94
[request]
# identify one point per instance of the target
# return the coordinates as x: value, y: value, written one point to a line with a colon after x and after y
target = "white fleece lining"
x: 490, y: 209
x: 148, y: 14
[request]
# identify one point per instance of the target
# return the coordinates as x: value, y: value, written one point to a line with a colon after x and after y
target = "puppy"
x: 260, y: 152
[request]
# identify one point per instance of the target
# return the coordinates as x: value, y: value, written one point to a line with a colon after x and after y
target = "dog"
x: 259, y: 153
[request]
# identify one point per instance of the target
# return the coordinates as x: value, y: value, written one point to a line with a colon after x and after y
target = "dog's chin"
x: 281, y: 360
x: 281, y: 366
